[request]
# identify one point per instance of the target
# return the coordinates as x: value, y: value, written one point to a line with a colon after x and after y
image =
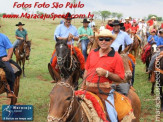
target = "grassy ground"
x: 36, y: 86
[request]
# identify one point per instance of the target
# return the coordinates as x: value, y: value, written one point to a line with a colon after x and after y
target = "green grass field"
x: 36, y: 86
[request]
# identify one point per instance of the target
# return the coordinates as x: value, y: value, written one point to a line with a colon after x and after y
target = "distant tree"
x: 104, y: 14
x: 119, y: 15
x: 114, y: 14
x: 96, y: 14
x: 159, y: 18
x: 150, y: 15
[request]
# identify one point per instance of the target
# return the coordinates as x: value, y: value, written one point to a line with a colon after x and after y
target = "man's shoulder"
x: 2, y: 35
x: 72, y: 26
x: 80, y: 28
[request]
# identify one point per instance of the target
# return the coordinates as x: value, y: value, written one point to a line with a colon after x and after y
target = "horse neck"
x: 76, y: 114
x: 21, y: 47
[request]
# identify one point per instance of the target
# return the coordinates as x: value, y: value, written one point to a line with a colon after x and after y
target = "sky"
x: 133, y: 8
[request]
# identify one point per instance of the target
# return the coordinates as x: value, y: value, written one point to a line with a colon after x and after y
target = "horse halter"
x: 69, y: 109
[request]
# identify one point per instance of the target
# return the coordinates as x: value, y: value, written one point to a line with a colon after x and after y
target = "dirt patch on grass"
x: 41, y: 78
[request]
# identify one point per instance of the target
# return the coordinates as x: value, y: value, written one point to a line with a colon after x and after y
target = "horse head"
x: 27, y: 47
x: 62, y: 52
x: 125, y: 58
x: 153, y: 48
x: 62, y: 102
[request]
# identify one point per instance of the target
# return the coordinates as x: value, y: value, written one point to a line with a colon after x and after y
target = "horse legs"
x: 152, y: 90
x: 161, y: 98
x: 16, y: 91
x: 136, y: 105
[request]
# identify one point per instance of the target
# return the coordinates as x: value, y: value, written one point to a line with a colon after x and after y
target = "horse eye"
x: 69, y: 98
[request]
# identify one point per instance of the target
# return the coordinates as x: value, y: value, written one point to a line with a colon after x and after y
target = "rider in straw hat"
x: 108, y: 67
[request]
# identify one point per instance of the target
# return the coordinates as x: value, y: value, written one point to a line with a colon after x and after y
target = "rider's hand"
x: 5, y: 59
x: 101, y: 71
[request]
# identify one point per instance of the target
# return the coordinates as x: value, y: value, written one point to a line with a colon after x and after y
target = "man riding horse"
x: 160, y: 46
x: 122, y: 38
x: 85, y: 33
x: 21, y: 35
x: 108, y: 67
x: 66, y: 32
x: 5, y: 44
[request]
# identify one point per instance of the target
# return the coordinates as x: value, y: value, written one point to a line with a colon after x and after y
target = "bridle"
x: 64, y: 59
x: 69, y: 109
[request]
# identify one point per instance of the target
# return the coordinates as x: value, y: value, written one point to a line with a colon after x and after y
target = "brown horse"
x: 22, y: 52
x: 4, y: 85
x: 136, y: 45
x: 65, y: 106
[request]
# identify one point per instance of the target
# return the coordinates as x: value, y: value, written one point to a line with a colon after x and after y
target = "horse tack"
x: 69, y: 109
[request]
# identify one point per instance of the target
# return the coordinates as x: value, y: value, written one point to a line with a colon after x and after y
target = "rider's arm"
x: 111, y: 76
x: 20, y: 38
x: 26, y: 37
x: 10, y: 51
x: 84, y: 82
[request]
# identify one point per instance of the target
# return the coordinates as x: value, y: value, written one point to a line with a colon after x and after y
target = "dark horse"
x: 4, y: 85
x: 22, y: 52
x: 158, y: 77
x: 67, y: 63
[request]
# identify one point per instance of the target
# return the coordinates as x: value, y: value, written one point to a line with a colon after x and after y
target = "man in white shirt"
x: 92, y: 23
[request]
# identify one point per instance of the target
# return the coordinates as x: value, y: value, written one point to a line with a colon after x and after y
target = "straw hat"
x: 106, y: 33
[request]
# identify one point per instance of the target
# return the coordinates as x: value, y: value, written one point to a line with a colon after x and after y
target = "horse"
x: 4, y: 85
x: 143, y: 35
x: 158, y: 76
x: 67, y: 62
x: 65, y: 106
x: 22, y: 52
x: 136, y: 45
x: 148, y: 58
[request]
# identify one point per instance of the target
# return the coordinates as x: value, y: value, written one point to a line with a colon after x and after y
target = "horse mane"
x: 28, y: 43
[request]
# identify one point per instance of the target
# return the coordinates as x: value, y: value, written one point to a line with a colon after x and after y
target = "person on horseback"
x: 85, y: 33
x: 69, y: 33
x: 122, y: 38
x: 21, y: 35
x: 153, y: 37
x: 108, y: 67
x: 127, y: 25
x: 160, y: 46
x: 66, y: 30
x: 5, y: 44
x: 108, y: 25
x: 92, y: 23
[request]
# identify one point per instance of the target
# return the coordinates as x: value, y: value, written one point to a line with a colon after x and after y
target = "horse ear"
x: 120, y: 49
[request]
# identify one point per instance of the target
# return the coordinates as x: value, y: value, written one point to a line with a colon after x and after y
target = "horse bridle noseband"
x: 69, y: 109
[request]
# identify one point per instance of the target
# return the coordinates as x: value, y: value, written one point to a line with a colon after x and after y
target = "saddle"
x: 121, y: 104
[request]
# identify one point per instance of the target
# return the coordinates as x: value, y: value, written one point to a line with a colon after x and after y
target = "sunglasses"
x: 106, y: 39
